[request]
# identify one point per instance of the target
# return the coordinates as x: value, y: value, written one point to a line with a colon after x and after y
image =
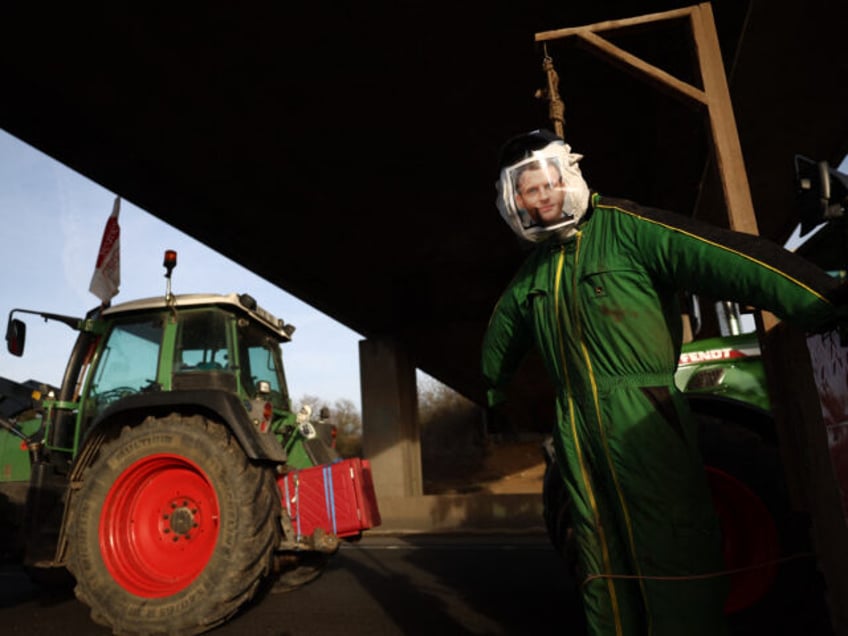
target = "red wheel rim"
x: 749, y: 538
x: 159, y: 525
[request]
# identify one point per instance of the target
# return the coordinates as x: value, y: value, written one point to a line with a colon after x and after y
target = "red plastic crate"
x: 337, y: 498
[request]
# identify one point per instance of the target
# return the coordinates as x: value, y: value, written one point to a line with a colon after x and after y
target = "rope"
x: 556, y: 107
x: 698, y: 577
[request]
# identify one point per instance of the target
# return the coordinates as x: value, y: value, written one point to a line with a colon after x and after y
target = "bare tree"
x: 347, y: 417
x: 312, y: 400
x: 452, y: 443
x: 348, y: 423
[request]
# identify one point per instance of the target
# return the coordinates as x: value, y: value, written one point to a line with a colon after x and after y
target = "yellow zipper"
x: 596, y: 400
x: 573, y: 424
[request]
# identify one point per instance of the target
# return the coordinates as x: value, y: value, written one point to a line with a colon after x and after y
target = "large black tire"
x: 750, y: 497
x: 761, y: 532
x: 173, y: 529
x: 779, y: 588
x: 12, y: 502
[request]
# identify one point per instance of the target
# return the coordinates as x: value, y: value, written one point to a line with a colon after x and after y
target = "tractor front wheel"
x: 173, y: 529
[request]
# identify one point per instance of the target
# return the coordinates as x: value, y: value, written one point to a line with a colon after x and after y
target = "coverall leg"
x: 644, y: 523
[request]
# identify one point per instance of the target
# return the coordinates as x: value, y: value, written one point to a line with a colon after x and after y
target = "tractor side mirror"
x: 15, y: 336
x: 822, y: 192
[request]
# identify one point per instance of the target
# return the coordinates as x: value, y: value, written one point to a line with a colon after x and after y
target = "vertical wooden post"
x: 728, y: 151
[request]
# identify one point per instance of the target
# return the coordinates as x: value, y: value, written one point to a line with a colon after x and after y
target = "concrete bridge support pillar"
x: 390, y: 433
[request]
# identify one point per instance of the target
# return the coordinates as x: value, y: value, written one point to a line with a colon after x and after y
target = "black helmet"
x: 521, y: 146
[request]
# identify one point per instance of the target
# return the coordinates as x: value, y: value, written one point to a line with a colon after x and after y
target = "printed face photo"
x: 539, y: 191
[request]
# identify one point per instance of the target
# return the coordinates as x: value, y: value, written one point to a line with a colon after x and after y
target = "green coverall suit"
x: 603, y: 309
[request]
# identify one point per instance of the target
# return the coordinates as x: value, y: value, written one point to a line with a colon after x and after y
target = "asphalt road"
x: 387, y: 586
x: 490, y: 585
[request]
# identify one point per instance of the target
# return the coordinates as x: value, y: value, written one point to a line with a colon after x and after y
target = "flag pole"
x: 107, y: 269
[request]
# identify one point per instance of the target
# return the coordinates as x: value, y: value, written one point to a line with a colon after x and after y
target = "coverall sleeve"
x: 507, y: 340
x: 744, y: 268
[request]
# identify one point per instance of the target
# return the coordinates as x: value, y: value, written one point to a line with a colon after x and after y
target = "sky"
x: 52, y: 221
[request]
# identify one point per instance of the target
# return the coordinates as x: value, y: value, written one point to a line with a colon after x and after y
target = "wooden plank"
x: 728, y: 150
x: 613, y: 24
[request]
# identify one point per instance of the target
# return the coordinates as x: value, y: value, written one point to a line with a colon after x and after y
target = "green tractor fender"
x: 215, y: 404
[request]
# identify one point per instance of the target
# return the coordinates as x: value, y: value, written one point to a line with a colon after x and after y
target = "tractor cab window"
x: 202, y: 342
x: 261, y: 360
x: 129, y: 362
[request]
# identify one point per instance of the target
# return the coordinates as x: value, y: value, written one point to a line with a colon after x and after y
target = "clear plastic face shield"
x: 543, y: 194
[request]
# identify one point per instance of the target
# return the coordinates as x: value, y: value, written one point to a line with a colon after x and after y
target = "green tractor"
x: 169, y: 474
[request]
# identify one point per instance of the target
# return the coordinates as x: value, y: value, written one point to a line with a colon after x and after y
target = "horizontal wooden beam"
x: 609, y: 25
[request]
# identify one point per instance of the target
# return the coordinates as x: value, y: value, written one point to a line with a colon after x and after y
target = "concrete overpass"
x: 346, y: 154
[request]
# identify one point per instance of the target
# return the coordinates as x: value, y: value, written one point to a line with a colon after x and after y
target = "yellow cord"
x: 697, y: 577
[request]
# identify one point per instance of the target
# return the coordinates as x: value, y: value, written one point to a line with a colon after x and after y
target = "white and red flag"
x: 107, y: 270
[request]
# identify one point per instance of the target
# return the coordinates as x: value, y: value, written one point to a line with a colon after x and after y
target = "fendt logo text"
x: 711, y: 355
